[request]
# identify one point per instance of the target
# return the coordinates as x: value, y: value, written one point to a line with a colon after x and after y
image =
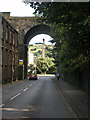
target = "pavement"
x: 76, y: 98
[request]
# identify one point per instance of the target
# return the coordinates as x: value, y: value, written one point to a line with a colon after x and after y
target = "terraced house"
x: 8, y: 52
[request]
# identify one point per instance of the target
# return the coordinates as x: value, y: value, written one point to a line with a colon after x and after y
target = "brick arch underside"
x: 38, y: 29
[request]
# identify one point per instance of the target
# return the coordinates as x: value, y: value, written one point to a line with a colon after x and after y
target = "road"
x: 34, y: 99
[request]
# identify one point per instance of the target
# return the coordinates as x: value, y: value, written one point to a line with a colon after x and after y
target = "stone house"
x: 8, y: 52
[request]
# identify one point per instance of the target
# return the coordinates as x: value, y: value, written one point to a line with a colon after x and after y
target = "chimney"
x: 5, y: 14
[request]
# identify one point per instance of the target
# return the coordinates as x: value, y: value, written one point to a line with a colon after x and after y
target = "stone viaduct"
x: 27, y: 27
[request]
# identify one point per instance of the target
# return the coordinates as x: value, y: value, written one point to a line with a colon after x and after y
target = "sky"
x: 39, y: 38
x: 16, y: 7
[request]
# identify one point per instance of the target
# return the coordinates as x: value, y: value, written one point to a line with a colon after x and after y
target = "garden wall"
x: 79, y: 79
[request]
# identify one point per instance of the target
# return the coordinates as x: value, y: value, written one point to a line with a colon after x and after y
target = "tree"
x: 51, y: 65
x: 31, y: 67
x: 48, y: 51
x: 70, y: 30
x: 42, y: 65
x: 70, y: 24
x: 45, y: 65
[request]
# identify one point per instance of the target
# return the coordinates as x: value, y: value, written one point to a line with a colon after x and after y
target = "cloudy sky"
x: 39, y: 38
x: 16, y: 7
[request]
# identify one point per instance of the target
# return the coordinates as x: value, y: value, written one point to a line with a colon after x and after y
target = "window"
x: 6, y: 33
x: 10, y: 36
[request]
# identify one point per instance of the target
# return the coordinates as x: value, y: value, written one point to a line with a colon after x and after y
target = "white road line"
x: 25, y: 89
x: 34, y: 82
x: 30, y: 85
x: 15, y: 96
x: 1, y: 105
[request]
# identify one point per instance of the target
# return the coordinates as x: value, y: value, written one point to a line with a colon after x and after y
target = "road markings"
x: 25, y: 89
x: 1, y: 105
x: 15, y: 96
x: 30, y: 85
x: 18, y: 109
x: 34, y: 82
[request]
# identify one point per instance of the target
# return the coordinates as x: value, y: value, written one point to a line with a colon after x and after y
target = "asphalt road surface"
x: 34, y: 99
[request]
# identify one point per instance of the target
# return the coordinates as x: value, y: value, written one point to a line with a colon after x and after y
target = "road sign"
x: 20, y: 62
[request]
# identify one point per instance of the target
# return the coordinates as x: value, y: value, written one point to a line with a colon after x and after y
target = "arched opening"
x: 36, y: 30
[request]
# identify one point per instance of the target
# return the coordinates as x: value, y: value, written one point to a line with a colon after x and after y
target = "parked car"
x: 32, y: 76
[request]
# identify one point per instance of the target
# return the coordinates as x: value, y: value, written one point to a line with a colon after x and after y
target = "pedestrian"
x: 58, y: 76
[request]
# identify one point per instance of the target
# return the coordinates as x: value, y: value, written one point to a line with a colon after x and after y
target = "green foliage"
x: 31, y: 67
x: 42, y: 65
x: 48, y: 51
x: 70, y: 29
x: 45, y: 65
x: 36, y: 49
x: 51, y: 65
x: 70, y: 24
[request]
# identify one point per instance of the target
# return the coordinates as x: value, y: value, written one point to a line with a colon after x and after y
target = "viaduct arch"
x: 35, y: 30
x: 38, y: 29
x: 27, y: 27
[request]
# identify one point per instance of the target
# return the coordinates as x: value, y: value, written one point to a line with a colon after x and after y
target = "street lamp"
x: 43, y: 49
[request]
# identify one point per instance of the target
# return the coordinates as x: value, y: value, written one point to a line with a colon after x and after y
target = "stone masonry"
x: 8, y: 52
x: 26, y: 27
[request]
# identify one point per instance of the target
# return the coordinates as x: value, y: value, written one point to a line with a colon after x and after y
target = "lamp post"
x: 43, y: 49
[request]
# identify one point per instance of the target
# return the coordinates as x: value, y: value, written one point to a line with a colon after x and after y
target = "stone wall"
x: 5, y: 14
x: 78, y: 79
x: 9, y: 52
x: 22, y: 25
x: 1, y: 50
x: 86, y: 79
